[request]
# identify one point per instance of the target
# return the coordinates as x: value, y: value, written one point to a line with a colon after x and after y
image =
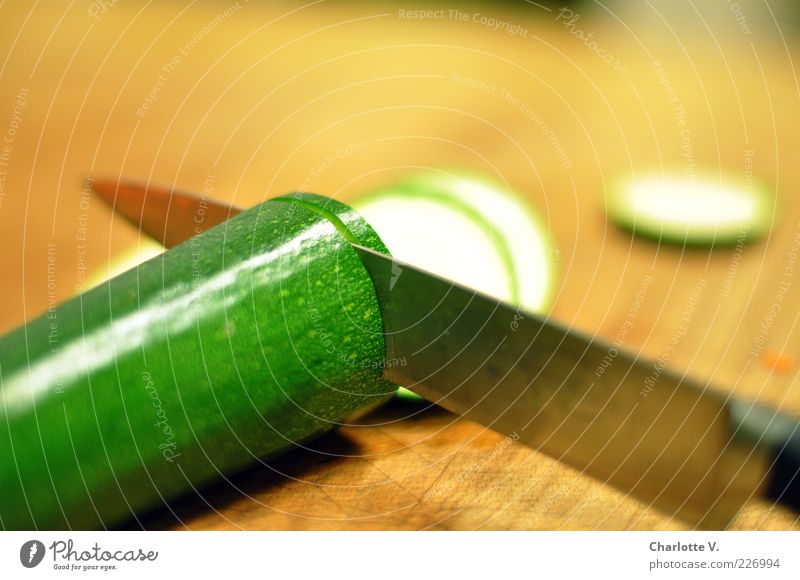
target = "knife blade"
x: 674, y: 443
x: 168, y: 216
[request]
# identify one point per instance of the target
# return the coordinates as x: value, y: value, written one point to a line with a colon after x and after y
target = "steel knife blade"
x: 671, y: 442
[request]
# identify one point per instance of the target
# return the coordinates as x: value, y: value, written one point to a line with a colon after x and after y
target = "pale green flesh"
x: 471, y: 259
x: 470, y: 231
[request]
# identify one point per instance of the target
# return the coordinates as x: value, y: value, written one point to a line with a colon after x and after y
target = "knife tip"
x: 105, y: 189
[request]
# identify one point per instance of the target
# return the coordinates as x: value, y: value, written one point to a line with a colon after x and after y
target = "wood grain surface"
x: 247, y: 101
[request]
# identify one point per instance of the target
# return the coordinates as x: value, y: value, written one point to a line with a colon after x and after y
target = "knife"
x: 675, y: 444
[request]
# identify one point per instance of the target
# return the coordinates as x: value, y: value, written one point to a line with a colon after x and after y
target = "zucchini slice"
x: 470, y: 230
x: 146, y: 249
x: 239, y: 344
x: 692, y: 212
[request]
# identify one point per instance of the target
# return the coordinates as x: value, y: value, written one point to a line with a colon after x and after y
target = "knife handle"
x: 784, y: 483
x: 243, y: 342
x: 778, y: 436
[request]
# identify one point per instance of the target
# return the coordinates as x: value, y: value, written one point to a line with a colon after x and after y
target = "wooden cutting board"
x: 245, y: 102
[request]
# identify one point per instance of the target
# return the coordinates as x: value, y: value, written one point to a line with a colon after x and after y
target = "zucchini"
x: 239, y: 344
x: 698, y: 212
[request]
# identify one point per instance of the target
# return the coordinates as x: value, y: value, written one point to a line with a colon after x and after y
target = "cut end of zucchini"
x: 470, y: 230
x: 693, y: 212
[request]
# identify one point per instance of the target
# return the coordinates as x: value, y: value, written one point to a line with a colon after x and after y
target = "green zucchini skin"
x: 232, y: 347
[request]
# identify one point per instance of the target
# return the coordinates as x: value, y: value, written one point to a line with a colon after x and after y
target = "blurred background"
x: 560, y: 101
